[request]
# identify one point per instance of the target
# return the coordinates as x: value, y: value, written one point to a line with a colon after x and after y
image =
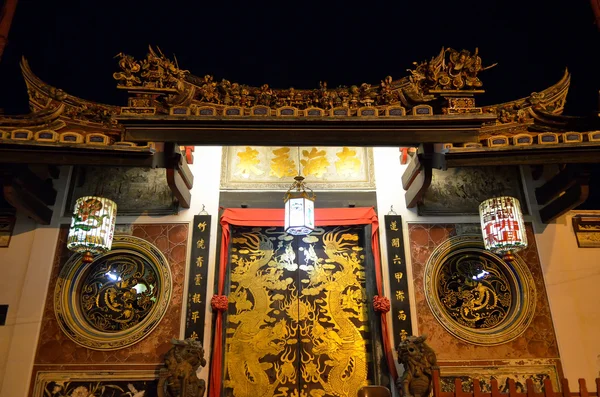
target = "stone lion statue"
x: 178, y: 378
x: 418, y: 360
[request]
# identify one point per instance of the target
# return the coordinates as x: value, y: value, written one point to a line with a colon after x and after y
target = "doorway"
x: 299, y: 320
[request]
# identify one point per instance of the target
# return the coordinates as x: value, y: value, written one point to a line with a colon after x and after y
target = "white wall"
x: 28, y: 261
x: 572, y: 277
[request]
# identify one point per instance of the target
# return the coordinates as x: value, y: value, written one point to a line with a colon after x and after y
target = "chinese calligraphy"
x: 200, y: 244
x: 401, y: 315
x: 400, y: 296
x: 198, y: 279
x: 200, y: 261
x: 394, y: 226
x: 202, y: 226
x: 398, y: 276
x: 403, y: 334
x: 196, y: 298
x: 396, y: 242
x: 195, y: 316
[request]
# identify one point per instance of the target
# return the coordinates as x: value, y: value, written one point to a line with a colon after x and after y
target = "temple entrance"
x: 299, y: 318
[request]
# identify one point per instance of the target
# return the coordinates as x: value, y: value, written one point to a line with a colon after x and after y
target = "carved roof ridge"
x: 43, y: 96
x: 555, y: 93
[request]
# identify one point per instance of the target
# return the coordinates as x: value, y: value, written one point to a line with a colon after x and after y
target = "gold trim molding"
x: 516, y: 274
x: 67, y: 297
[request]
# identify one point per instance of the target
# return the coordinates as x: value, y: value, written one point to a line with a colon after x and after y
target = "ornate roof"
x: 443, y: 87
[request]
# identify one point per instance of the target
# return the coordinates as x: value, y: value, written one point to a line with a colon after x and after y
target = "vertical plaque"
x: 196, y: 295
x: 400, y: 304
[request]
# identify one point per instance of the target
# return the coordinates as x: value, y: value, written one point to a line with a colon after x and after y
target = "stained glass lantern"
x: 299, y: 208
x: 502, y: 226
x: 92, y: 226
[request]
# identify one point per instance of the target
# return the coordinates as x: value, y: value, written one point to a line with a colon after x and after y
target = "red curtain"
x: 275, y: 217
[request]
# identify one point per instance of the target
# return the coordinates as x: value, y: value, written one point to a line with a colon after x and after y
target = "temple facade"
x: 202, y: 279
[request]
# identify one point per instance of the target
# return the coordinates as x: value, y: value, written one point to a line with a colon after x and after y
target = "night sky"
x: 71, y: 44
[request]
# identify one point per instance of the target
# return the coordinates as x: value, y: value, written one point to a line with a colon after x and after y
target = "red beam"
x: 6, y: 16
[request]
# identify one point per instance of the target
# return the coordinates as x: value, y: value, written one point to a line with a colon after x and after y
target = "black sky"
x: 71, y: 44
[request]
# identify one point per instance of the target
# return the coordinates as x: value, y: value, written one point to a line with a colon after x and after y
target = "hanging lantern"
x: 299, y: 208
x: 92, y: 226
x: 502, y: 226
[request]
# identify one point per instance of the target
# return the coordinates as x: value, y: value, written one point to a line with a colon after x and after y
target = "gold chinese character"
x: 200, y: 244
x: 401, y: 315
x: 196, y: 298
x: 200, y: 261
x: 195, y: 316
x: 398, y: 276
x: 194, y: 335
x: 394, y: 226
x: 400, y: 296
x: 397, y: 260
x: 396, y: 242
x: 202, y: 226
x: 403, y: 334
x: 197, y: 279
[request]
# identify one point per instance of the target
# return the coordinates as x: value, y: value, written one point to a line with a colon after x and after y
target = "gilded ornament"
x: 477, y: 296
x: 312, y: 329
x: 116, y: 300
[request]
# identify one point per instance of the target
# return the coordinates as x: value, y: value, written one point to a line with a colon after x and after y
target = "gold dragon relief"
x: 286, y: 338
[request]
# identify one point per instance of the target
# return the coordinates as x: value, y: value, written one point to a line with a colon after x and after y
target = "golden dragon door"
x: 299, y: 313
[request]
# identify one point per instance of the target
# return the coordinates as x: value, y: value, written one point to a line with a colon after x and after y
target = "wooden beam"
x: 410, y: 173
x: 573, y: 197
x: 578, y: 153
x: 419, y: 186
x: 6, y: 16
x: 27, y: 203
x: 558, y: 184
x: 179, y: 188
x: 321, y: 131
x: 24, y: 177
x: 179, y: 176
x: 27, y: 153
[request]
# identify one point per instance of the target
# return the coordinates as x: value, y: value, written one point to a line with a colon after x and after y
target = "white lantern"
x: 92, y: 226
x: 502, y: 226
x: 299, y: 209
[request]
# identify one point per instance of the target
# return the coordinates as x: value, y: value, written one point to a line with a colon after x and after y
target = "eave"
x: 323, y: 131
x: 561, y: 153
x: 28, y: 152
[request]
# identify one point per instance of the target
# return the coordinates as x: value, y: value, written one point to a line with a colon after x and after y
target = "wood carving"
x: 179, y: 378
x: 419, y: 361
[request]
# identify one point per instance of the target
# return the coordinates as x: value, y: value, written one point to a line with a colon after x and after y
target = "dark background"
x: 71, y: 44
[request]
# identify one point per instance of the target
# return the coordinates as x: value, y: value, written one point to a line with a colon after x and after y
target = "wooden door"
x: 298, y: 319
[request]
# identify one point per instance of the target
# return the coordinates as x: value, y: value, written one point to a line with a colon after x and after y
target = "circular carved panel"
x: 116, y: 300
x: 477, y: 296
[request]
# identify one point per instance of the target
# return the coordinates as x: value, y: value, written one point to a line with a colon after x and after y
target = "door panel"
x: 298, y: 322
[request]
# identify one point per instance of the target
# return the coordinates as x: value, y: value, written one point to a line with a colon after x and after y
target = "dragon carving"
x: 418, y: 360
x: 342, y: 343
x: 179, y: 378
x: 255, y: 336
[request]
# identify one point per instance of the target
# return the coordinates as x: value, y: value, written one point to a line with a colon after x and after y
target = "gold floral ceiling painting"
x: 274, y: 168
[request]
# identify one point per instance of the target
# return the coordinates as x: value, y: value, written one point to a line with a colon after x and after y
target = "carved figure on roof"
x: 130, y: 69
x: 160, y: 72
x: 208, y: 90
x: 179, y: 378
x: 367, y: 94
x: 265, y: 96
x: 450, y: 70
